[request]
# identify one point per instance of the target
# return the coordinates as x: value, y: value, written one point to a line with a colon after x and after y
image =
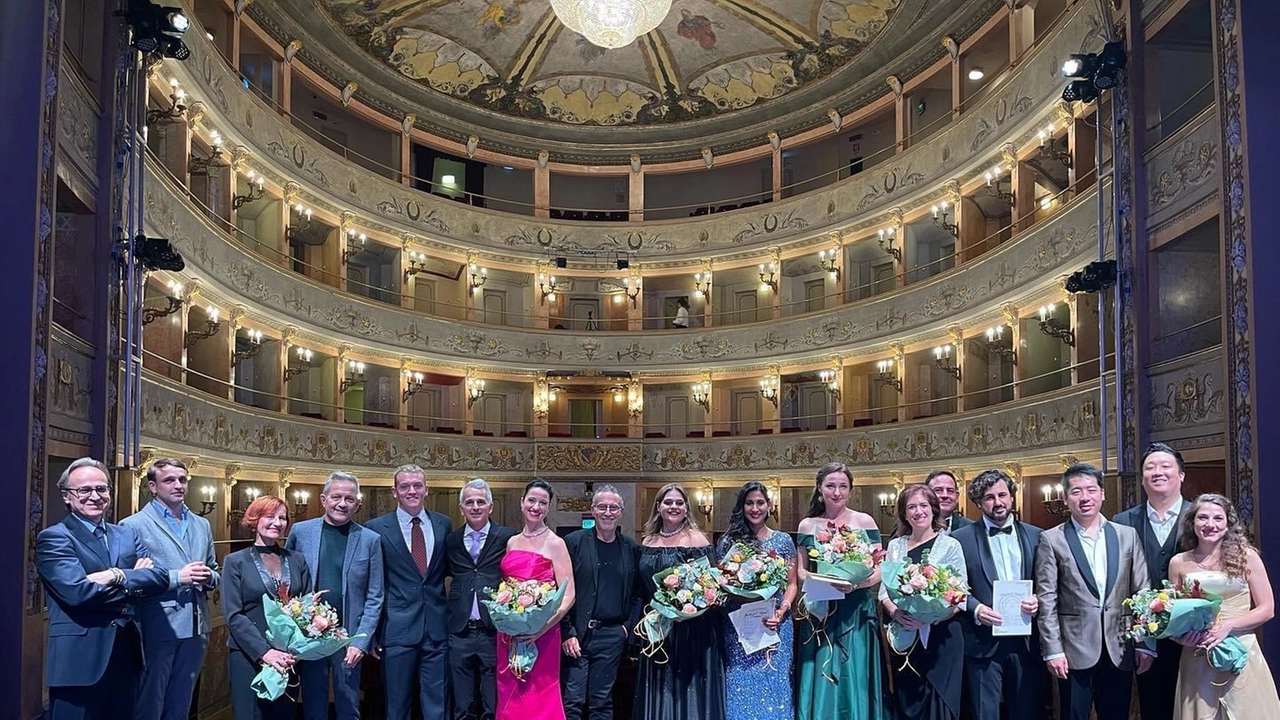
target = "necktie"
x: 475, y: 557
x: 101, y: 533
x: 418, y: 546
x: 994, y: 531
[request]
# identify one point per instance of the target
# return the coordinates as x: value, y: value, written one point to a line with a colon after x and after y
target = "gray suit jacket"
x: 362, y: 576
x: 182, y: 612
x: 1072, y: 619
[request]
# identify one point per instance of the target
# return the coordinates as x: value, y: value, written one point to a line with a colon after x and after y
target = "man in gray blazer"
x: 175, y: 626
x: 1085, y: 568
x: 345, y: 561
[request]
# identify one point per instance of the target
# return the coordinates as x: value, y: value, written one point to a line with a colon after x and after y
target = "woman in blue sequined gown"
x: 684, y: 680
x: 758, y: 685
x: 839, y: 661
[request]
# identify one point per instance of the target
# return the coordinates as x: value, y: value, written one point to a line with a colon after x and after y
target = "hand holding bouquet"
x: 684, y: 591
x: 1173, y: 611
x: 844, y: 553
x: 751, y: 574
x: 522, y: 609
x: 928, y: 593
x: 305, y: 626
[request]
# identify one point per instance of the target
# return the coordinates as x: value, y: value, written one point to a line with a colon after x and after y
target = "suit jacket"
x: 470, y: 578
x: 980, y: 565
x: 362, y: 575
x: 242, y: 591
x: 957, y: 521
x: 414, y: 605
x: 181, y: 612
x: 586, y: 576
x: 1072, y: 619
x: 1158, y: 556
x: 84, y: 616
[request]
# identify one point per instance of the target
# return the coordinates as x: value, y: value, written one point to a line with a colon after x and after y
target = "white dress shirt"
x: 468, y: 537
x: 428, y: 532
x: 1095, y: 552
x: 1005, y: 550
x: 1163, y: 524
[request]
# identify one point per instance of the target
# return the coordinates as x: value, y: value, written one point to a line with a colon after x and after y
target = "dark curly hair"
x: 739, y: 529
x: 1235, y: 544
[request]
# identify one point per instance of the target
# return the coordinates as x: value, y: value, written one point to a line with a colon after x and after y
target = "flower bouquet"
x: 751, y: 574
x: 520, y: 608
x: 305, y: 626
x: 929, y: 593
x: 840, y: 554
x: 1172, y: 611
x: 684, y: 591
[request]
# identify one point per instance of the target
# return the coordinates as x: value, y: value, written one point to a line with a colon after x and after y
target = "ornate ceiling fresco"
x: 711, y: 67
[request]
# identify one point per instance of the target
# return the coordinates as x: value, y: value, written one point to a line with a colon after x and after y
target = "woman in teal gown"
x: 839, y: 658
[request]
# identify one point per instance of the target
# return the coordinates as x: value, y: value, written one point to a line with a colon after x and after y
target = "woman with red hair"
x: 263, y: 568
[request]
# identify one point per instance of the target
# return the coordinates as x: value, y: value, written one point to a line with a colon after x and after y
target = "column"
x: 958, y: 356
x: 635, y: 191
x: 776, y: 166
x: 541, y: 190
x: 635, y: 305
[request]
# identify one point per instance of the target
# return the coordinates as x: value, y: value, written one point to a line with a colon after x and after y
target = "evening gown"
x: 537, y: 696
x: 1207, y: 694
x: 840, y: 666
x: 759, y: 685
x: 932, y: 690
x: 685, y: 680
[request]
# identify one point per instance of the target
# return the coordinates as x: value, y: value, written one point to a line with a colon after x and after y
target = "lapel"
x: 86, y: 538
x: 1077, y: 551
x: 348, y: 560
x: 589, y: 557
x: 984, y: 553
x: 153, y: 513
x: 1171, y: 542
x: 1113, y: 558
x: 490, y: 542
x: 394, y: 534
x: 1028, y: 552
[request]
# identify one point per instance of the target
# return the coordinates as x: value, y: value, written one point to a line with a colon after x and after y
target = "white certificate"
x: 1007, y: 597
x: 748, y: 621
x: 816, y: 590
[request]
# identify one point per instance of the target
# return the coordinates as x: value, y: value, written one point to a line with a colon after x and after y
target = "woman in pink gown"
x: 536, y: 553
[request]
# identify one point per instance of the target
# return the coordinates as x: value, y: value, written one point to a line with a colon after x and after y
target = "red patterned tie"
x: 418, y: 546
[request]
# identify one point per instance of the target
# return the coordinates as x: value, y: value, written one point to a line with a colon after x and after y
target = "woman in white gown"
x: 1219, y: 556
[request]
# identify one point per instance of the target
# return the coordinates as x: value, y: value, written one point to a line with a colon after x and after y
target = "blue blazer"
x: 362, y: 575
x: 182, y: 612
x: 415, y: 605
x: 84, y: 616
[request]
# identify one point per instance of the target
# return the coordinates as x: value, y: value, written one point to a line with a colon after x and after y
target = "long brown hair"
x: 904, y: 497
x: 1235, y: 543
x: 653, y: 525
x: 818, y: 506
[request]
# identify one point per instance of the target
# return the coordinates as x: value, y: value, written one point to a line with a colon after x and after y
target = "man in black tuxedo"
x: 943, y: 484
x: 412, y: 635
x: 999, y: 548
x: 594, y: 631
x: 474, y: 553
x: 1157, y: 522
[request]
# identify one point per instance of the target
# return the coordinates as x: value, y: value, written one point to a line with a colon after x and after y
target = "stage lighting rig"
x: 1094, y: 278
x: 1092, y: 73
x: 157, y: 29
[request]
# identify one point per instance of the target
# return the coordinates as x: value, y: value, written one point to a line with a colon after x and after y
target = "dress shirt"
x: 469, y: 539
x: 1005, y: 549
x: 406, y: 529
x: 177, y: 524
x: 93, y: 530
x: 1095, y: 550
x: 1163, y: 524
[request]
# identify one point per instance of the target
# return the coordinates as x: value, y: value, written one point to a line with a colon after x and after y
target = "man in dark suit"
x: 413, y: 634
x: 474, y: 553
x: 594, y: 631
x: 1085, y: 568
x: 1157, y: 522
x: 91, y: 570
x: 943, y: 484
x: 999, y: 548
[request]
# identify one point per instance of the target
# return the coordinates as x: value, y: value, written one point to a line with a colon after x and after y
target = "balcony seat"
x: 696, y: 434
x: 860, y: 422
x: 721, y: 433
x: 655, y: 434
x: 515, y: 433
x: 792, y: 429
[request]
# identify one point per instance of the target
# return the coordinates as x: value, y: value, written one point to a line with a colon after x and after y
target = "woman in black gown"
x: 685, y: 680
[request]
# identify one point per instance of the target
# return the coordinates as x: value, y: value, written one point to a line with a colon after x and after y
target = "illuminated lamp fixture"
x: 886, y: 376
x: 478, y: 276
x: 1055, y: 328
x: 1053, y: 500
x: 412, y: 385
x: 300, y: 499
x: 702, y: 284
x: 207, y: 503
x: 547, y: 288
x: 994, y: 178
x: 706, y: 499
x: 354, y: 376
x: 976, y: 74
x: 633, y: 290
x: 635, y: 400
x: 611, y: 23
x: 417, y: 263
x: 475, y: 389
x: 886, y: 243
x: 304, y: 222
x: 252, y: 346
x: 769, y: 388
x: 235, y: 515
x: 1049, y: 150
x: 197, y: 165
x: 942, y: 358
x: 888, y: 502
x: 156, y: 29
x: 177, y: 105
x: 996, y: 344
x: 355, y: 243
x: 827, y: 259
x: 211, y: 328
x: 770, y: 282
x: 256, y: 190
x: 702, y: 394
x: 174, y: 299
x: 302, y: 365
x: 448, y: 180
x: 941, y: 215
x: 830, y: 383
x: 619, y: 394
x: 541, y: 397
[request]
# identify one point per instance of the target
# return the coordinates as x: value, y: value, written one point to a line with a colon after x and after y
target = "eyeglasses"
x: 609, y: 509
x: 85, y: 492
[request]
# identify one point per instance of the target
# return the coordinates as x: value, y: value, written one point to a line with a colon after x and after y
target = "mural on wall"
x: 705, y: 59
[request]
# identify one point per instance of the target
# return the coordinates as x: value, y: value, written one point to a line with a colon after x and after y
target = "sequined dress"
x: 758, y: 686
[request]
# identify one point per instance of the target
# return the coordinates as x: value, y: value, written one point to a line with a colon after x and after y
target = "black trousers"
x: 423, y: 666
x: 1018, y: 677
x: 473, y: 662
x: 1156, y: 686
x: 114, y: 695
x: 1103, y: 687
x: 245, y: 704
x: 587, y: 680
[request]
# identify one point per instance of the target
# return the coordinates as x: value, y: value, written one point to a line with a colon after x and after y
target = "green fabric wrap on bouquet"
x: 1188, y: 615
x: 283, y: 633
x: 269, y: 683
x: 763, y: 593
x: 522, y: 652
x: 925, y: 609
x: 850, y: 571
x: 660, y: 617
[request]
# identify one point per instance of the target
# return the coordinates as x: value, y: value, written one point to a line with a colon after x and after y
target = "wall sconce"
x: 178, y: 107
x: 207, y: 503
x: 702, y: 394
x: 355, y: 376
x: 702, y: 285
x: 831, y: 382
x: 827, y: 259
x: 996, y: 345
x: 300, y: 499
x: 942, y: 357
x: 256, y: 190
x: 886, y: 375
x: 940, y: 214
x: 886, y: 243
x: 197, y: 165
x: 706, y: 499
x: 417, y: 263
x: 1050, y: 151
x: 355, y: 243
x: 635, y: 400
x: 772, y: 281
x: 888, y: 503
x: 769, y: 389
x: 1055, y: 328
x: 547, y: 288
x: 211, y: 328
x: 633, y: 291
x: 253, y: 346
x: 478, y: 276
x: 303, y: 224
x: 412, y: 385
x: 475, y: 389
x: 994, y: 180
x: 234, y: 516
x: 174, y: 300
x: 1053, y: 500
x: 541, y: 398
x: 301, y: 366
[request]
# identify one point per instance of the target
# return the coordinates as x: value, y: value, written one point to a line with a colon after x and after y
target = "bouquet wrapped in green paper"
x: 1172, y: 611
x: 751, y: 574
x: 684, y: 591
x: 305, y: 626
x: 929, y: 593
x: 520, y: 608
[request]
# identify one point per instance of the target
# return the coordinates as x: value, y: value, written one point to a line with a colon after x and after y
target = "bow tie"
x: 994, y: 531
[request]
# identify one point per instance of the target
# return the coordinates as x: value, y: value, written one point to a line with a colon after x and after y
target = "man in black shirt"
x: 595, y: 630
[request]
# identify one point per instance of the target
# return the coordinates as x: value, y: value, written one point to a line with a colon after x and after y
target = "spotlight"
x: 1095, y: 277
x: 157, y: 254
x: 624, y: 263
x: 1080, y: 91
x: 562, y: 262
x: 156, y: 28
x: 1080, y: 66
x: 976, y: 74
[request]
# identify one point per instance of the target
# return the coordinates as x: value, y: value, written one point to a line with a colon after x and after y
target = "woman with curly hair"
x: 1218, y: 555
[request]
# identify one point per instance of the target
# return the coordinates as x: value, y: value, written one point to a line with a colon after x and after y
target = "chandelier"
x: 611, y: 23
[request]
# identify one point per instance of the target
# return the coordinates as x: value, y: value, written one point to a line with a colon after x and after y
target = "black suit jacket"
x: 242, y: 591
x: 472, y: 577
x: 586, y: 568
x: 413, y: 605
x: 1158, y: 556
x: 980, y: 564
